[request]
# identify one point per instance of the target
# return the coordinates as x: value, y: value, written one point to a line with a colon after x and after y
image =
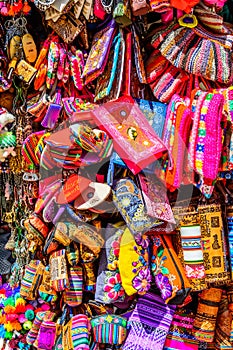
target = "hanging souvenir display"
x: 116, y: 179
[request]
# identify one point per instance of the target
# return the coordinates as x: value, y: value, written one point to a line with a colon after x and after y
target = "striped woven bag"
x: 31, y: 279
x: 73, y: 295
x: 109, y: 329
x: 58, y: 269
x: 76, y: 333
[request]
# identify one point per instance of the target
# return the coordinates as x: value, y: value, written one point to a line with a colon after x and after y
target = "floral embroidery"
x: 114, y: 252
x: 164, y: 285
x: 162, y: 275
x: 142, y: 281
x: 113, y: 287
x: 116, y: 247
x: 197, y: 272
x: 142, y: 241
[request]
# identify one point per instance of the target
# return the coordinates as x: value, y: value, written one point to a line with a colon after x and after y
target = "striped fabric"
x: 150, y: 323
x: 33, y: 332
x: 73, y: 295
x: 109, y: 329
x: 180, y: 333
x: 209, y: 18
x: 31, y: 279
x: 196, y: 51
x: 230, y: 239
x: 205, y: 320
x: 29, y: 146
x: 223, y: 325
x: 190, y: 235
x: 80, y: 332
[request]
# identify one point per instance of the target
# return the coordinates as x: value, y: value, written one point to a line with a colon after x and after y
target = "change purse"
x: 133, y: 138
x: 58, y: 270
x: 99, y: 53
x: 128, y: 199
x: 109, y: 329
x: 165, y: 264
x: 74, y: 293
x: 67, y: 27
x: 31, y: 279
x: 75, y: 333
x: 149, y: 323
x: 25, y: 71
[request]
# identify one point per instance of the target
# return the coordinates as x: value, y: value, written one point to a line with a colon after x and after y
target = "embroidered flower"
x: 143, y: 241
x: 142, y: 281
x: 164, y: 286
x: 156, y: 241
x: 196, y: 272
x: 113, y: 287
x: 116, y: 248
x: 199, y: 164
x: 125, y: 202
x: 200, y: 148
x: 202, y: 132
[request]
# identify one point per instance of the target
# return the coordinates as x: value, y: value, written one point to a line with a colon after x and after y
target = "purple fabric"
x: 150, y: 323
x: 152, y: 311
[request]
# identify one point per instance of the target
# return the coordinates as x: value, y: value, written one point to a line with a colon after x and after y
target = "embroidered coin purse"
x: 165, y: 265
x: 74, y: 293
x: 115, y: 329
x: 58, y: 268
x: 99, y: 52
x: 149, y: 324
x: 31, y: 279
x: 133, y: 138
x: 155, y: 113
x: 108, y: 283
x: 128, y: 199
x: 134, y: 263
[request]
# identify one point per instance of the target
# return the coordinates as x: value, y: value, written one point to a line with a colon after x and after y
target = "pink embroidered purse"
x: 133, y: 137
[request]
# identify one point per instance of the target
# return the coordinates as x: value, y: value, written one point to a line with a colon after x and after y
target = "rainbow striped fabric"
x: 180, y: 333
x: 109, y: 329
x: 31, y: 279
x: 75, y: 334
x: 73, y: 295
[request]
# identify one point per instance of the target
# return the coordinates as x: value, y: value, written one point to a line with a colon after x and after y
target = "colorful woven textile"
x: 76, y: 333
x: 180, y: 334
x: 223, y: 325
x: 74, y: 293
x: 47, y: 335
x: 191, y: 249
x: 58, y: 268
x: 109, y: 329
x: 31, y: 279
x: 150, y: 323
x: 214, y: 248
x: 205, y: 319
